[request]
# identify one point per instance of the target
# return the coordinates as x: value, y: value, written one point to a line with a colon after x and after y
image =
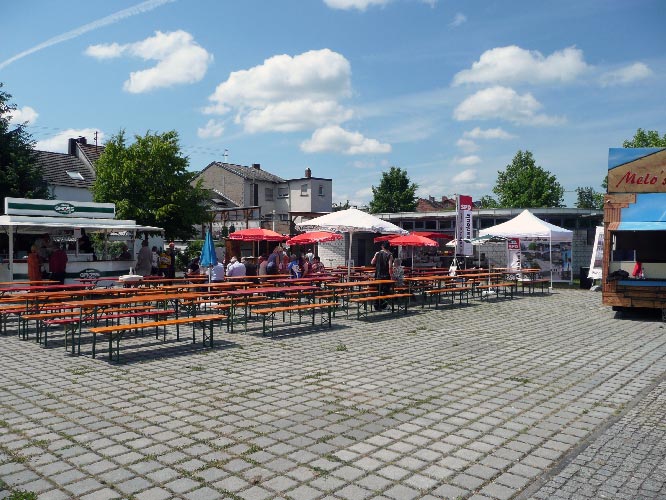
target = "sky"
x: 448, y: 91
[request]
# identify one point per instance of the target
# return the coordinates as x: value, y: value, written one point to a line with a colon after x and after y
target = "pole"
x: 11, y: 253
x: 273, y: 220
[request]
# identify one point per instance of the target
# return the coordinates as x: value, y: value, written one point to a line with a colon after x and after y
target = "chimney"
x: 71, y: 147
x: 431, y: 199
x: 82, y: 140
x: 308, y: 173
x: 257, y: 166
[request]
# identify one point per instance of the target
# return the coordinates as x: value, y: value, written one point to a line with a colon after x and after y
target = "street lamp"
x: 273, y: 220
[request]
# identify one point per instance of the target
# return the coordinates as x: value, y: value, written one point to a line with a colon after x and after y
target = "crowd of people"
x: 278, y: 262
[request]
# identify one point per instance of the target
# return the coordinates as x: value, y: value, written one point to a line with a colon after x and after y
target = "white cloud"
x: 287, y: 93
x: 105, y: 51
x: 513, y: 64
x: 626, y: 75
x: 354, y: 4
x: 465, y: 177
x: 59, y: 142
x: 288, y: 116
x: 490, y: 133
x: 503, y: 103
x: 211, y: 130
x: 22, y: 115
x: 467, y: 160
x: 467, y: 146
x: 459, y: 19
x: 180, y: 60
x: 140, y: 8
x: 336, y: 139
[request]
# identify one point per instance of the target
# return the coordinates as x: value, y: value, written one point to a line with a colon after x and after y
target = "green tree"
x: 488, y: 202
x: 646, y: 139
x: 149, y: 182
x: 589, y: 198
x: 340, y: 206
x: 20, y: 176
x: 524, y: 184
x: 395, y: 193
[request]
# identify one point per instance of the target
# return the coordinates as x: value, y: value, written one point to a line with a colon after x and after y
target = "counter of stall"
x: 64, y: 222
x: 81, y: 266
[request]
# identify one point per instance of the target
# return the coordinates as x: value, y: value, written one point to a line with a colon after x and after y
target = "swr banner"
x: 464, y: 226
x: 513, y: 253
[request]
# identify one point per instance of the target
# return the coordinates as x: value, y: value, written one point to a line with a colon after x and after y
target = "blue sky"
x: 447, y: 90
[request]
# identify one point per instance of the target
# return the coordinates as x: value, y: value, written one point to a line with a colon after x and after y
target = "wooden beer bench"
x: 401, y: 300
x: 116, y: 332
x: 270, y: 312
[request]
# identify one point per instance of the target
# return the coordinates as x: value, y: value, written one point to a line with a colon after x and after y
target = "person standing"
x: 383, y: 262
x: 58, y: 265
x: 235, y: 269
x: 144, y: 261
x: 263, y: 262
x: 217, y: 272
x: 274, y: 261
x: 34, y: 265
x: 154, y: 262
x: 171, y: 253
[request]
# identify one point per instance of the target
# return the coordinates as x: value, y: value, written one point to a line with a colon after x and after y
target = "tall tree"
x: 487, y: 201
x: 589, y: 198
x: 646, y: 139
x: 524, y: 184
x: 149, y: 182
x: 395, y: 193
x: 20, y: 176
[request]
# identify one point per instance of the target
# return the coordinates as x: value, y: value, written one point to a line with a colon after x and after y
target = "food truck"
x: 29, y: 220
x: 634, y: 257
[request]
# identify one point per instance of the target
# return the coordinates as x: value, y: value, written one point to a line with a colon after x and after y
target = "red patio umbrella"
x: 256, y: 234
x: 313, y: 237
x: 433, y: 235
x: 412, y: 240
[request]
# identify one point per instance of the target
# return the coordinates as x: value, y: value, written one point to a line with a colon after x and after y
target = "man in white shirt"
x: 235, y: 268
x: 217, y: 273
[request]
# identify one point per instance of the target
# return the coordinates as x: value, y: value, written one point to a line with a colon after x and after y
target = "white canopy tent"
x: 350, y: 221
x: 528, y: 225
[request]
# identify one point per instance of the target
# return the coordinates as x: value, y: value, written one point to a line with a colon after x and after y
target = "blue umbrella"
x: 208, y: 256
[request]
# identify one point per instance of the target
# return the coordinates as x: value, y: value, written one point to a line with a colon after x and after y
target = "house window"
x: 283, y: 192
x: 321, y: 190
x: 304, y: 189
x: 419, y: 224
x: 408, y: 224
x: 268, y: 194
x: 284, y: 217
x: 74, y: 175
x: 431, y: 224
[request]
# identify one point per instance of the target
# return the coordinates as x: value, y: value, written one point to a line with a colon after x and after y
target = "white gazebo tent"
x: 350, y: 221
x: 528, y: 225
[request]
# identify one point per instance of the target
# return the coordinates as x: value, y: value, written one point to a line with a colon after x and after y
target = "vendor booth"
x: 65, y: 223
x: 541, y: 245
x: 634, y: 255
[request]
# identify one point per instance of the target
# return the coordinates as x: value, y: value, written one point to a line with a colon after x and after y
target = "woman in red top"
x: 34, y: 266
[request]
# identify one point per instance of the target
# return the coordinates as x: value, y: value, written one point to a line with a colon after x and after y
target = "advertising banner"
x: 597, y: 255
x: 513, y: 253
x: 464, y: 226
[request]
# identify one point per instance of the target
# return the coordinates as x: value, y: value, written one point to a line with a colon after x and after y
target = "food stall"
x: 64, y: 222
x: 634, y: 255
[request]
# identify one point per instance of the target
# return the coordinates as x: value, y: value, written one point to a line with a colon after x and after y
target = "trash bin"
x: 585, y: 282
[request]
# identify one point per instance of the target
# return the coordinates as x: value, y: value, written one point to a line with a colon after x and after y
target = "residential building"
x: 70, y: 175
x: 265, y: 199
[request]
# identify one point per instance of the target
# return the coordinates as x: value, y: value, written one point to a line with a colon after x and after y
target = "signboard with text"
x: 464, y: 226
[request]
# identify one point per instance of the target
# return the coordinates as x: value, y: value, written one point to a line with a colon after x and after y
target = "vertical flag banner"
x: 513, y: 253
x: 464, y: 226
x: 596, y: 262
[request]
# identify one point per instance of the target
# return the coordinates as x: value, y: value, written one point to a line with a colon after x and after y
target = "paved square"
x: 481, y: 400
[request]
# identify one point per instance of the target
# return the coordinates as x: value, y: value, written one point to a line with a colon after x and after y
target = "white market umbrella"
x: 350, y: 221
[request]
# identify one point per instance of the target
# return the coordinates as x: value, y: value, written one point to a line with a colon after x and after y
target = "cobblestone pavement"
x: 484, y: 401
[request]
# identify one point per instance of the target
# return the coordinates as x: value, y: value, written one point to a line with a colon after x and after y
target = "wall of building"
x: 232, y: 186
x: 68, y: 193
